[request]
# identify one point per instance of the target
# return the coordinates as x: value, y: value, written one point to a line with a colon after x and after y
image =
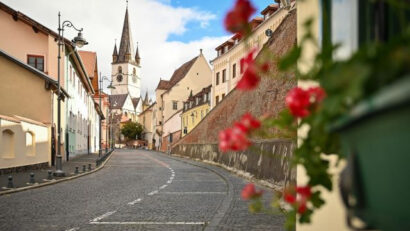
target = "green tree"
x: 132, y: 130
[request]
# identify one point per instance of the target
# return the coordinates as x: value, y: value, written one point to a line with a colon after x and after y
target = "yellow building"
x: 195, y: 109
x: 170, y: 94
x: 226, y: 66
x: 25, y: 131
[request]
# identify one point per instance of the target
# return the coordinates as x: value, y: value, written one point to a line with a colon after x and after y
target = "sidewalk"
x: 21, y: 179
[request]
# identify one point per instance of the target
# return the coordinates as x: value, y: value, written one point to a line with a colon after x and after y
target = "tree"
x: 132, y: 130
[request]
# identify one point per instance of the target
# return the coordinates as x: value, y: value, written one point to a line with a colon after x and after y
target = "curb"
x: 56, y: 181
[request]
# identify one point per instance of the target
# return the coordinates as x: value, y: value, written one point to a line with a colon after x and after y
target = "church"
x: 126, y: 102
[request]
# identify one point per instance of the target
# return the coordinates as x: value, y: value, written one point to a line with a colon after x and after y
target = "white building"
x: 83, y: 115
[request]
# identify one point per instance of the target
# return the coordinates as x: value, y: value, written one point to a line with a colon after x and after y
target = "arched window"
x: 7, y: 144
x: 119, y: 69
x: 30, y: 144
x: 134, y: 71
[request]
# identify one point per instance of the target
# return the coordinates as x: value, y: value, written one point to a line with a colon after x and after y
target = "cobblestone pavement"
x: 139, y: 190
x: 21, y: 179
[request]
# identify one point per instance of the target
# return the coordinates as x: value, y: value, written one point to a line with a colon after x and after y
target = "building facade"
x: 226, y: 66
x: 35, y: 45
x: 170, y: 94
x: 26, y: 133
x: 195, y: 109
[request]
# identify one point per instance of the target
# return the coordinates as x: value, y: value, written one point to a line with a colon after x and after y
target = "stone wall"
x: 268, y: 160
x: 267, y: 99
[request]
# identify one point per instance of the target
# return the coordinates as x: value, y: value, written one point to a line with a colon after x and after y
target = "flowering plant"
x: 340, y: 85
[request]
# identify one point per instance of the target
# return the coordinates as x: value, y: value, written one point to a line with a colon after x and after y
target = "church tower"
x: 126, y: 64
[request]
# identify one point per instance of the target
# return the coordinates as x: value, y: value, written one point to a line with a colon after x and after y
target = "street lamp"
x: 102, y: 78
x: 78, y: 41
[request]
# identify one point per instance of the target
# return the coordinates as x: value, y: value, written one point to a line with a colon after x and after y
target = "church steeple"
x: 115, y: 53
x: 126, y: 50
x: 124, y: 68
x: 137, y: 56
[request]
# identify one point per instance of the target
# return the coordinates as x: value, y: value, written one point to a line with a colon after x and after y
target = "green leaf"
x: 316, y: 200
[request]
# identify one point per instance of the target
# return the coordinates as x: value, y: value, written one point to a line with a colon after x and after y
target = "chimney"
x: 200, y: 51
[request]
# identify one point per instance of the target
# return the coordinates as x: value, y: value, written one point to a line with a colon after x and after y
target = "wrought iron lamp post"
x: 102, y: 78
x: 78, y: 41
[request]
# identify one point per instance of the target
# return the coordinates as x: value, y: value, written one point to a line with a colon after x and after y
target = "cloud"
x: 152, y: 22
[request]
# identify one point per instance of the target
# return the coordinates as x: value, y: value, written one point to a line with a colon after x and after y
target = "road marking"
x: 164, y: 186
x: 147, y: 223
x: 152, y: 193
x: 177, y: 193
x: 169, y: 182
x: 73, y: 229
x: 103, y: 216
x: 134, y: 202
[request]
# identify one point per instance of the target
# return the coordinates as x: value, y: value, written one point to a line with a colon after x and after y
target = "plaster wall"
x: 30, y: 144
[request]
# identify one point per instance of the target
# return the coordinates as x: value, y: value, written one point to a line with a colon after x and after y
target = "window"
x: 224, y: 76
x: 7, y: 141
x: 234, y: 70
x: 217, y: 78
x: 175, y: 105
x: 197, y: 100
x: 205, y: 96
x: 134, y: 71
x: 223, y: 96
x: 119, y: 69
x: 217, y: 99
x: 36, y: 61
x: 30, y: 144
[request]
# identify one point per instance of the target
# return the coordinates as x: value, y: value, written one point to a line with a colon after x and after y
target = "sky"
x: 169, y: 32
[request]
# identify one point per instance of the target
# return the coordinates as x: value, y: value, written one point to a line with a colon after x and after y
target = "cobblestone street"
x: 139, y: 190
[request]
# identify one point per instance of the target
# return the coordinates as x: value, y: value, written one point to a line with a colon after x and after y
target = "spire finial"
x: 127, y: 3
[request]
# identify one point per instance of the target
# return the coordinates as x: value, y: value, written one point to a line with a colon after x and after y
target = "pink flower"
x: 250, y: 78
x: 289, y: 198
x: 304, y: 193
x: 302, y: 208
x: 317, y: 94
x: 249, y: 122
x: 300, y: 102
x: 235, y: 138
x: 237, y: 19
x: 249, y: 192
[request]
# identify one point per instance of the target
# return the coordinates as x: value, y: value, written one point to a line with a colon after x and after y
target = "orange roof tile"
x: 89, y: 59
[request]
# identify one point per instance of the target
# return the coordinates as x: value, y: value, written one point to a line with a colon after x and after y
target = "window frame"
x: 35, y: 59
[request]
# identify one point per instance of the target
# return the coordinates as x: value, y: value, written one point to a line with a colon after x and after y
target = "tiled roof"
x: 89, y: 59
x: 271, y: 7
x: 135, y: 101
x: 181, y: 71
x: 179, y: 74
x: 163, y: 85
x: 117, y: 101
